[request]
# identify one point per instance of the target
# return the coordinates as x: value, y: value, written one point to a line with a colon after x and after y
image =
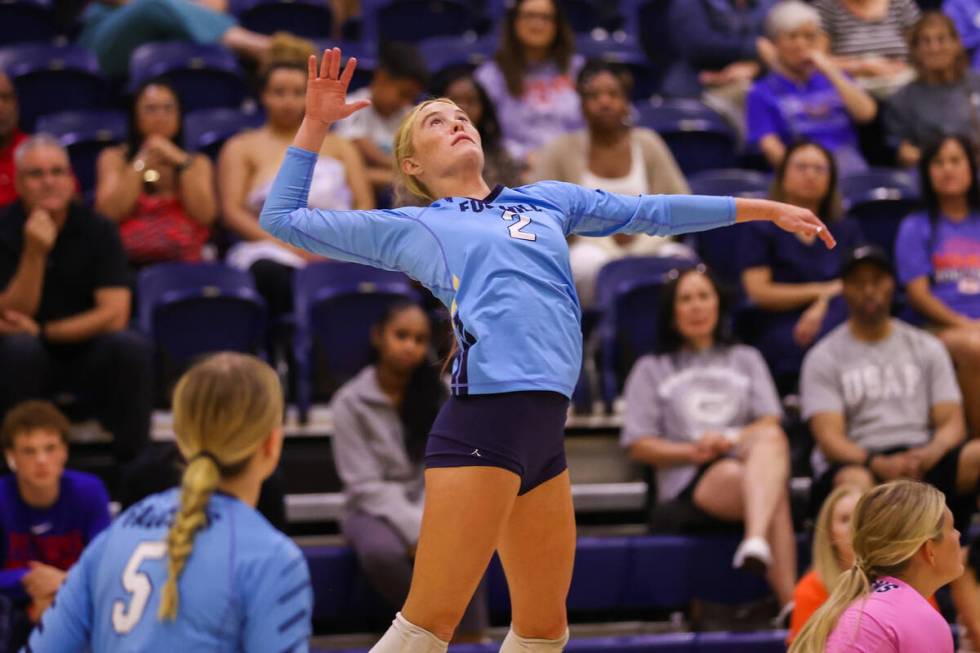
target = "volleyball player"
x: 195, y: 568
x: 496, y: 477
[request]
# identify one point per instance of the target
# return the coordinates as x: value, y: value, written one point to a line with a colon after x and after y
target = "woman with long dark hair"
x: 531, y: 79
x: 162, y: 196
x: 704, y: 411
x: 798, y: 297
x: 382, y: 419
x: 938, y: 257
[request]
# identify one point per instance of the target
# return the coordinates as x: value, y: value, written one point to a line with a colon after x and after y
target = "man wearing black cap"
x: 883, y: 403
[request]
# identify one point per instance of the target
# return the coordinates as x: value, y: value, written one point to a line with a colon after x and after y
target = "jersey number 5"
x: 516, y: 229
x: 124, y: 618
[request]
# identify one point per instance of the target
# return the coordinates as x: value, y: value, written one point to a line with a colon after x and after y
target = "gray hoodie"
x: 369, y: 451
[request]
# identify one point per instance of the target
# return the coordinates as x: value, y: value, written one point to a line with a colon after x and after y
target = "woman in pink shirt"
x: 905, y: 548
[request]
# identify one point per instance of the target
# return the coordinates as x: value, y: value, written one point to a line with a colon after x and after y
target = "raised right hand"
x: 326, y: 92
x: 40, y: 231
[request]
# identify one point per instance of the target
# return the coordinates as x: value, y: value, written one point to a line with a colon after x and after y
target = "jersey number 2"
x: 124, y: 618
x: 516, y: 229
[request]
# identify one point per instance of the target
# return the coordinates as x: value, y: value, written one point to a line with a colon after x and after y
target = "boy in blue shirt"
x: 47, y: 514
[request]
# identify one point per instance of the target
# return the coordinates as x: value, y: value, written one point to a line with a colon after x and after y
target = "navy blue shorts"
x: 523, y: 432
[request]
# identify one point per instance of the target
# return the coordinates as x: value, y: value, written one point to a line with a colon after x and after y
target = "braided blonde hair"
x: 890, y: 524
x: 224, y: 409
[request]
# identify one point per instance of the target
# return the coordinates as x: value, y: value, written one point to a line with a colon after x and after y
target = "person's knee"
x: 772, y: 437
x: 130, y: 350
x: 553, y: 642
x: 19, y: 350
x: 855, y: 475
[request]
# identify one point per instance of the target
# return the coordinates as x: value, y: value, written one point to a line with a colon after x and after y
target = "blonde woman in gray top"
x: 382, y: 419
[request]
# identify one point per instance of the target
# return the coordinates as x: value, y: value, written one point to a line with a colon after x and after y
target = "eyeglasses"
x: 942, y: 39
x: 819, y: 168
x: 38, y: 173
x: 540, y: 16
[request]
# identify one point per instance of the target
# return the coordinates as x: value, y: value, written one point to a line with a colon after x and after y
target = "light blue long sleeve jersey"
x: 500, y: 264
x: 245, y: 587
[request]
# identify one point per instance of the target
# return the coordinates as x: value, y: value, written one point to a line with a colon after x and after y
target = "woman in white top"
x: 612, y: 155
x: 249, y: 162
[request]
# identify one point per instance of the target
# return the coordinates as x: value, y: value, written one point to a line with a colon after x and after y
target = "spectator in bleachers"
x: 459, y: 85
x: 10, y: 138
x: 612, y: 155
x: 113, y: 29
x: 47, y: 514
x: 531, y: 78
x: 721, y: 51
x: 832, y: 554
x: 881, y: 399
x: 705, y: 413
x: 945, y: 99
x: 794, y: 282
x: 247, y: 165
x: 868, y: 40
x: 65, y: 303
x: 382, y: 419
x: 399, y: 79
x: 162, y: 196
x: 965, y: 14
x: 938, y: 254
x: 807, y: 95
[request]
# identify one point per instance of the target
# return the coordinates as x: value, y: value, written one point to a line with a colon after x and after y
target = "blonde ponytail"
x: 890, y: 524
x: 224, y: 408
x: 200, y: 480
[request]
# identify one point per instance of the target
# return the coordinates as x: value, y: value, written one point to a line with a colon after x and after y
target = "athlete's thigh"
x: 465, y: 511
x: 537, y: 549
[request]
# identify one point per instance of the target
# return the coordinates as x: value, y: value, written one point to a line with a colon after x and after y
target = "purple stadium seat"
x: 22, y: 21
x: 336, y: 304
x: 84, y: 134
x: 52, y: 77
x: 415, y: 20
x: 441, y: 52
x: 878, y: 199
x: 697, y: 135
x: 625, y: 52
x: 190, y: 309
x: 627, y: 294
x: 307, y: 18
x: 205, y: 76
x: 206, y: 130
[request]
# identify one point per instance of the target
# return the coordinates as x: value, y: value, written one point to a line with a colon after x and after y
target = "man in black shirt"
x: 65, y: 303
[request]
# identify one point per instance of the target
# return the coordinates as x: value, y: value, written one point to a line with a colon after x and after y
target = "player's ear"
x: 411, y: 167
x: 11, y: 465
x: 271, y: 447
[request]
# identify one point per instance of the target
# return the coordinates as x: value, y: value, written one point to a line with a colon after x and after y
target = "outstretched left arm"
x: 598, y: 213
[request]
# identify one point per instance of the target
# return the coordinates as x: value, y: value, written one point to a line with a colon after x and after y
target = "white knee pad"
x: 514, y: 643
x: 405, y: 637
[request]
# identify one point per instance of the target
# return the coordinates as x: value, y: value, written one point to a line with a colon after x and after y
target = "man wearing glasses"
x: 65, y: 303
